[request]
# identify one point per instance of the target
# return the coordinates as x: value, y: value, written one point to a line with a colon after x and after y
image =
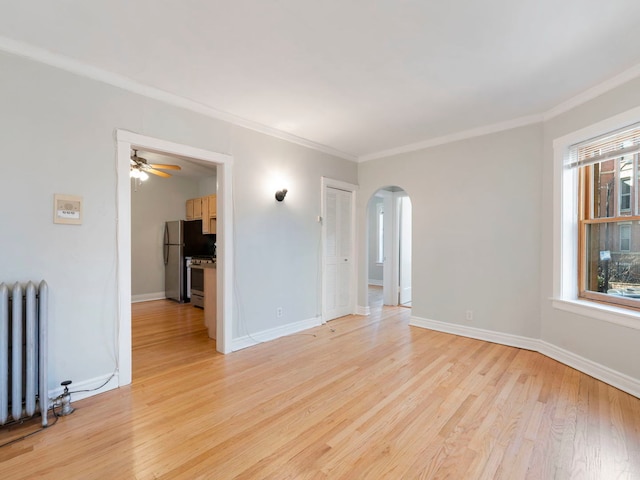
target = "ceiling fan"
x: 140, y: 168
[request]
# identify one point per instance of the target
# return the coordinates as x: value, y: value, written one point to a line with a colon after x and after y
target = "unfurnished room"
x: 320, y: 240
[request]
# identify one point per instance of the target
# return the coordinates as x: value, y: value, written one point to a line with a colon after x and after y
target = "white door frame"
x: 326, y: 182
x: 405, y: 222
x: 125, y: 141
x: 391, y: 264
x: 390, y: 275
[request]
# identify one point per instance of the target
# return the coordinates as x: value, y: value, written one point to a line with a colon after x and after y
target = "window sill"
x: 608, y: 313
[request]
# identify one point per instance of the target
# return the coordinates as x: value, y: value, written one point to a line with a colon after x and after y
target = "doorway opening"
x: 389, y: 244
x: 126, y: 141
x: 166, y: 328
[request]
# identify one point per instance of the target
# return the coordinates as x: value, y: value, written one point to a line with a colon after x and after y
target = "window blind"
x: 625, y: 141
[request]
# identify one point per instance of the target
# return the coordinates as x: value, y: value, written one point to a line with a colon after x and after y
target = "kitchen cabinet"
x: 194, y: 209
x: 203, y: 208
x: 212, y: 200
x: 190, y: 209
x: 209, y: 207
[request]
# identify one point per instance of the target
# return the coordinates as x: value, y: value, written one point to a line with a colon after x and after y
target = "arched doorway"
x: 389, y: 220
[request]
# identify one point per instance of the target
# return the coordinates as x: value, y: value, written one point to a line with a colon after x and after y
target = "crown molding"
x: 84, y: 70
x: 593, y: 92
x: 454, y: 137
x: 584, y: 97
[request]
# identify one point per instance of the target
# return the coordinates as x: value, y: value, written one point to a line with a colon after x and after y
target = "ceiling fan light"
x: 135, y: 173
x: 143, y: 175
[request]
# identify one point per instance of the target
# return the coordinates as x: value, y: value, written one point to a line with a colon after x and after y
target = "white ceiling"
x: 357, y: 76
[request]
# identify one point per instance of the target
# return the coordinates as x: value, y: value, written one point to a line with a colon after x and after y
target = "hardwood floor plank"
x: 361, y: 397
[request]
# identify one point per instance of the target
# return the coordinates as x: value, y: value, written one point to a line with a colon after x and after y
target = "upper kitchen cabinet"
x: 209, y: 219
x: 190, y: 209
x: 213, y: 205
x: 204, y: 208
x: 194, y: 209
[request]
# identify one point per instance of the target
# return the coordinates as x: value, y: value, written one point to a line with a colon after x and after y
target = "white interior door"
x: 405, y: 251
x: 338, y: 254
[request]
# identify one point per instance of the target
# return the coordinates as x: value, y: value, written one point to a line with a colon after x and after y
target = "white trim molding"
x: 271, y: 334
x: 88, y: 388
x: 120, y: 81
x: 593, y: 92
x: 477, y: 333
x: 125, y: 140
x: 362, y: 310
x: 454, y: 137
x: 607, y: 375
x: 565, y: 223
x: 147, y: 297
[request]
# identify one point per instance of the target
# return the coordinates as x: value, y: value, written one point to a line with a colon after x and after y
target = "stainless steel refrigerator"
x: 182, y: 239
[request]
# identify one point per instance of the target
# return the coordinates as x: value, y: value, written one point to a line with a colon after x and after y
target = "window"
x: 625, y: 237
x: 380, y: 232
x: 608, y: 217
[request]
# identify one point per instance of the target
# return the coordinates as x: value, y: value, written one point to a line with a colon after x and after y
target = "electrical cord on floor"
x: 92, y: 389
x: 27, y: 435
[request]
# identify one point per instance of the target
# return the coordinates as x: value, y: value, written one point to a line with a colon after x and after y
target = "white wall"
x: 483, y: 237
x: 610, y: 345
x: 476, y: 228
x: 59, y: 137
x: 154, y: 202
x: 207, y: 185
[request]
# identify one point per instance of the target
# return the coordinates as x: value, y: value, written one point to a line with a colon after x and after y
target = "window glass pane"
x: 613, y: 189
x: 625, y: 237
x: 604, y: 189
x: 610, y: 269
x: 626, y: 171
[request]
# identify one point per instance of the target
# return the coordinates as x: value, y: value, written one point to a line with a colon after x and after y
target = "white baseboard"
x: 612, y: 377
x: 360, y: 310
x: 94, y: 386
x: 373, y: 281
x: 146, y: 297
x: 477, y: 333
x: 273, y: 333
x: 607, y: 375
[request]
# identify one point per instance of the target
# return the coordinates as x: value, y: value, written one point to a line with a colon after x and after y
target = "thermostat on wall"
x: 67, y: 209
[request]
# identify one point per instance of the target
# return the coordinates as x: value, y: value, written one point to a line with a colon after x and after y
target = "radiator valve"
x: 67, y: 409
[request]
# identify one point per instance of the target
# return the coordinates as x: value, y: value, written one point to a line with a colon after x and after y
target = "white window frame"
x: 565, y: 227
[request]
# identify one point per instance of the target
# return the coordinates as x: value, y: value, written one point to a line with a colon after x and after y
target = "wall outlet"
x: 469, y: 315
x: 279, y: 312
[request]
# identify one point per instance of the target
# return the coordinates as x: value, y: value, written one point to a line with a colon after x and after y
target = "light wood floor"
x: 358, y: 398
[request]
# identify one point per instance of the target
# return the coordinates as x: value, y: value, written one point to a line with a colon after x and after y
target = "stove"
x: 200, y: 259
x: 198, y: 263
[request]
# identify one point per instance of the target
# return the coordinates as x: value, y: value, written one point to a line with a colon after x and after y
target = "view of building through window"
x: 610, y: 221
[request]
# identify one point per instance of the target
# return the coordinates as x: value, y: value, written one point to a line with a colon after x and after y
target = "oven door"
x: 197, y: 285
x: 188, y: 277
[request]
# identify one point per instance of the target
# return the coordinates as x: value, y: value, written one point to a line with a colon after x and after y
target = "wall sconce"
x: 280, y: 194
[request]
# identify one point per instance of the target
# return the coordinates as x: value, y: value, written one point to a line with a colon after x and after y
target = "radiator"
x: 23, y: 352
